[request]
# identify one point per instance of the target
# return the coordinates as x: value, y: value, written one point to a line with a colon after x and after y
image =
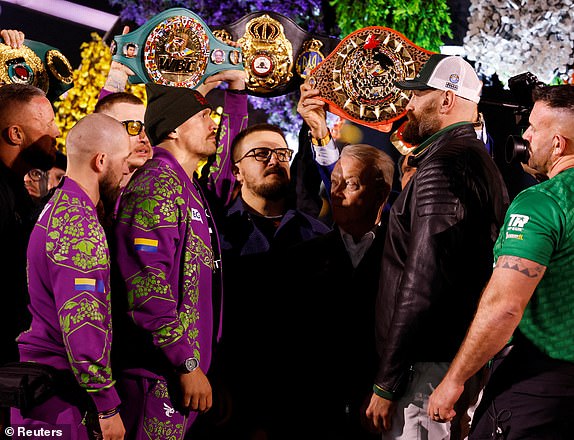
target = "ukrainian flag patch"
x: 145, y: 245
x: 85, y: 284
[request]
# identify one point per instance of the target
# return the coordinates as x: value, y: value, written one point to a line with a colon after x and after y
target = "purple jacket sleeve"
x: 82, y: 297
x: 104, y: 93
x: 149, y: 234
x: 221, y: 180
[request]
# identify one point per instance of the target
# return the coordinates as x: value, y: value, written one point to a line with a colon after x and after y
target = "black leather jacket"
x: 438, y: 254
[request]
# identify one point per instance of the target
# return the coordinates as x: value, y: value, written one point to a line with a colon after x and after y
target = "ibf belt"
x: 36, y: 64
x: 278, y: 54
x: 174, y: 48
x: 357, y: 79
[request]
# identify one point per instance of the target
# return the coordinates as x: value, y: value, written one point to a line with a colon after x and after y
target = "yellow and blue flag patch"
x: 88, y: 284
x: 145, y: 245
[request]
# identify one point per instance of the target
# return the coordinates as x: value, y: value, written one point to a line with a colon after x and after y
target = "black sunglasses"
x: 133, y: 127
x: 263, y: 154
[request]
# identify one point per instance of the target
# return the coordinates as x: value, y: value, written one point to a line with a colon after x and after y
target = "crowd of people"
x: 171, y: 282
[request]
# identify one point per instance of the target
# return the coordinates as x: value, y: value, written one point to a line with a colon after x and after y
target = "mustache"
x: 275, y: 170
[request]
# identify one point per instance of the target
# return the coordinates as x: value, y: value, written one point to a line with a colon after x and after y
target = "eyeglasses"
x: 36, y: 174
x: 263, y: 154
x: 133, y: 127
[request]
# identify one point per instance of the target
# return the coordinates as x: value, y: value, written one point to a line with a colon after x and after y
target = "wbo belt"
x: 278, y: 54
x: 357, y: 79
x: 174, y: 48
x: 36, y: 64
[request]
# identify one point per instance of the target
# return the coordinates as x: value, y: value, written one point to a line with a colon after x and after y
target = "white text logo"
x: 517, y: 222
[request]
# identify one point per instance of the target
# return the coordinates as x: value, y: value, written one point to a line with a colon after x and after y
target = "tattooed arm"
x: 503, y: 301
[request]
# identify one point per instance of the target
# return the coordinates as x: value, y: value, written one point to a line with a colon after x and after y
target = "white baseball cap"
x: 444, y: 72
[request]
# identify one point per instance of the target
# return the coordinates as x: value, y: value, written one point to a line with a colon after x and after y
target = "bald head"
x: 98, y: 148
x: 94, y: 133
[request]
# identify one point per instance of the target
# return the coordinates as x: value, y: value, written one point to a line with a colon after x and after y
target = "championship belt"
x: 357, y: 79
x: 36, y: 64
x: 174, y: 48
x: 278, y: 54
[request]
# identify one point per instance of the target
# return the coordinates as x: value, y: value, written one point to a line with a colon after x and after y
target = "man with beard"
x: 168, y: 287
x: 27, y: 141
x: 261, y: 221
x: 528, y: 300
x: 69, y: 285
x: 261, y: 218
x: 438, y: 250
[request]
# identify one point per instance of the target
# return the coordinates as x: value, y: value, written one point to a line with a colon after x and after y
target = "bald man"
x: 69, y: 285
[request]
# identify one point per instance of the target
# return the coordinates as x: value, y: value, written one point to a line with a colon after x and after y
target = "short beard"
x: 418, y: 130
x: 272, y: 191
x: 276, y: 190
x: 109, y: 192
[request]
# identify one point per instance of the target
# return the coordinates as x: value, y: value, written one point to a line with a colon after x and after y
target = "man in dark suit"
x: 330, y: 305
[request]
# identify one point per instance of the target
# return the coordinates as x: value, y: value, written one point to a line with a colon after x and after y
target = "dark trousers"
x: 528, y: 396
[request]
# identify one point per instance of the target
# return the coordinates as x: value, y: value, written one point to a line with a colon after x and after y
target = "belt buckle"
x: 174, y: 48
x: 268, y: 54
x: 356, y: 79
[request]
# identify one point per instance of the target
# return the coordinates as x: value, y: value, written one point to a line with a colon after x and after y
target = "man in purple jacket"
x: 69, y: 285
x: 167, y: 251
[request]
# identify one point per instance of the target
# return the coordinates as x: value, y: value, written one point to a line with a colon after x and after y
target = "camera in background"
x: 521, y: 87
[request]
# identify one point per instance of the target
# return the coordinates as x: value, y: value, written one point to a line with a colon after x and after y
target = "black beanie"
x: 169, y: 107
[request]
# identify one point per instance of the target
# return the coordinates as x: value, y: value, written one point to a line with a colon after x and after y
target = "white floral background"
x: 510, y: 37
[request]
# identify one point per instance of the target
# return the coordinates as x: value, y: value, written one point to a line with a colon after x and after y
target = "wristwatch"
x: 323, y: 141
x: 189, y: 365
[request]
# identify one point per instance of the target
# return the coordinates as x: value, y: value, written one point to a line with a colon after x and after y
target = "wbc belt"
x: 36, y: 64
x: 357, y: 79
x: 174, y: 48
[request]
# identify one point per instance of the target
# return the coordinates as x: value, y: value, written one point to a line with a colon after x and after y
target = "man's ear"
x: 237, y: 173
x: 15, y: 135
x: 559, y: 145
x: 99, y: 162
x: 448, y: 99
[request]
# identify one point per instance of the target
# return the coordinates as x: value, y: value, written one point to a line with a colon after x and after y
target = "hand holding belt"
x: 357, y: 79
x: 278, y: 53
x: 36, y: 64
x: 174, y: 48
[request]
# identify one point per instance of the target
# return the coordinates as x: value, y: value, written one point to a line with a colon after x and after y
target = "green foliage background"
x: 424, y: 22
